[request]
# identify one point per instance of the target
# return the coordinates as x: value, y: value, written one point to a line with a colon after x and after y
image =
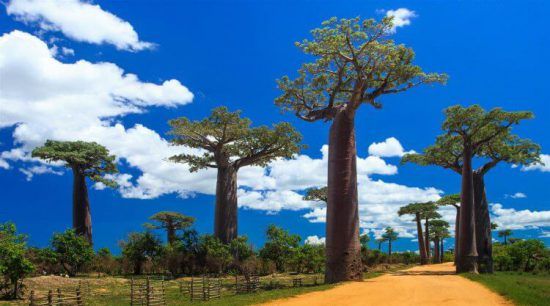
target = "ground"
x: 422, y: 285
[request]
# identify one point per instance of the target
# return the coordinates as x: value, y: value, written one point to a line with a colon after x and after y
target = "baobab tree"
x: 428, y: 213
x: 453, y: 200
x: 317, y: 194
x: 86, y: 160
x: 416, y: 209
x: 354, y: 63
x: 470, y: 132
x: 228, y: 143
x: 380, y: 240
x: 438, y: 229
x: 171, y: 222
x: 505, y: 234
x: 389, y: 235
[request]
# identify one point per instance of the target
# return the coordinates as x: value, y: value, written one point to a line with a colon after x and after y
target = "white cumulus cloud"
x: 391, y: 147
x: 544, y: 167
x: 315, y: 240
x: 517, y: 195
x: 519, y: 219
x: 78, y: 20
x: 401, y: 17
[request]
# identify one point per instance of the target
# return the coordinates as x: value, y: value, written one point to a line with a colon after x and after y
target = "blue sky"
x: 231, y: 53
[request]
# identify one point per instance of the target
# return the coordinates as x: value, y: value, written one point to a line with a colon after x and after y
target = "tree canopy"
x: 488, y: 132
x: 89, y: 158
x: 227, y: 139
x: 354, y: 63
x: 390, y: 234
x: 317, y: 194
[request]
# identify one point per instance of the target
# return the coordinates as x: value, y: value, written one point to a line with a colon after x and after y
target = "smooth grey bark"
x: 225, y: 219
x: 343, y: 249
x: 457, y: 233
x: 436, y: 258
x: 82, y: 218
x: 467, y: 249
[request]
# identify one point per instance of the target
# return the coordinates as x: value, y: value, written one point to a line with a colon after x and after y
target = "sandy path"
x: 423, y: 285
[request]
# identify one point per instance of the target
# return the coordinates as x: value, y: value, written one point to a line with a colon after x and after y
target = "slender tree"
x: 87, y: 160
x: 171, y: 222
x: 355, y: 63
x: 446, y: 234
x: 228, y: 143
x: 389, y: 235
x: 505, y: 233
x: 380, y: 241
x: 438, y: 229
x: 428, y: 212
x: 472, y: 131
x: 364, y: 240
x: 416, y: 210
x: 453, y: 200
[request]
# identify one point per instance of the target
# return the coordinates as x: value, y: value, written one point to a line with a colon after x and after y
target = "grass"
x: 521, y: 288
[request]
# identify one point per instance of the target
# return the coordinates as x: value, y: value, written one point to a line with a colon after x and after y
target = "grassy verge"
x: 521, y: 288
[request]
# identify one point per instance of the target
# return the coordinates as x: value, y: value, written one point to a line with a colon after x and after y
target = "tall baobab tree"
x: 472, y: 131
x: 428, y: 213
x: 380, y: 241
x: 171, y: 222
x: 228, y: 143
x: 86, y: 160
x: 438, y: 229
x: 416, y: 209
x: 389, y: 235
x: 354, y: 63
x: 505, y: 233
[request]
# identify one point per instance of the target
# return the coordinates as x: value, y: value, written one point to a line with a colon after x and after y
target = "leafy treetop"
x: 355, y: 63
x: 439, y: 228
x: 317, y: 194
x: 489, y: 134
x: 390, y: 234
x: 88, y: 158
x: 227, y: 139
x: 171, y: 219
x: 450, y: 199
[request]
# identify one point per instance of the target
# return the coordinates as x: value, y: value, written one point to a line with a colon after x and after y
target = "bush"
x: 280, y: 247
x: 215, y: 255
x: 14, y: 266
x: 141, y: 248
x: 522, y: 255
x: 72, y: 251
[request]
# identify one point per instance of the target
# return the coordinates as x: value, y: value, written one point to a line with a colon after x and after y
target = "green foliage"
x: 89, y: 158
x: 439, y: 229
x: 488, y: 133
x: 105, y: 262
x: 308, y: 258
x: 390, y: 234
x: 73, y: 251
x: 505, y: 233
x: 44, y: 260
x: 364, y: 240
x: 354, y: 63
x: 523, y: 255
x: 279, y: 246
x: 173, y: 219
x: 140, y: 246
x: 216, y: 254
x: 14, y: 266
x: 317, y: 194
x: 225, y: 138
x: 450, y: 199
x: 240, y: 248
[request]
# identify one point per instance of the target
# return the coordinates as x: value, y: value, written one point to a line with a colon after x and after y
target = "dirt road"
x: 423, y: 285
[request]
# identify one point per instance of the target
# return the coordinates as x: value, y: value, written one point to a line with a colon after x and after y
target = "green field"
x: 521, y: 288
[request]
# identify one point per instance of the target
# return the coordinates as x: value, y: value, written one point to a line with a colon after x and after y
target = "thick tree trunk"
x: 467, y: 256
x: 442, y: 251
x: 437, y: 257
x: 427, y: 238
x: 82, y: 218
x: 389, y: 251
x: 225, y: 220
x: 457, y: 233
x: 421, y: 244
x: 483, y: 225
x: 343, y: 249
x: 171, y: 233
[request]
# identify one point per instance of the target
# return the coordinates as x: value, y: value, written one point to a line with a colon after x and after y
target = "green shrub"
x: 14, y: 266
x: 73, y: 252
